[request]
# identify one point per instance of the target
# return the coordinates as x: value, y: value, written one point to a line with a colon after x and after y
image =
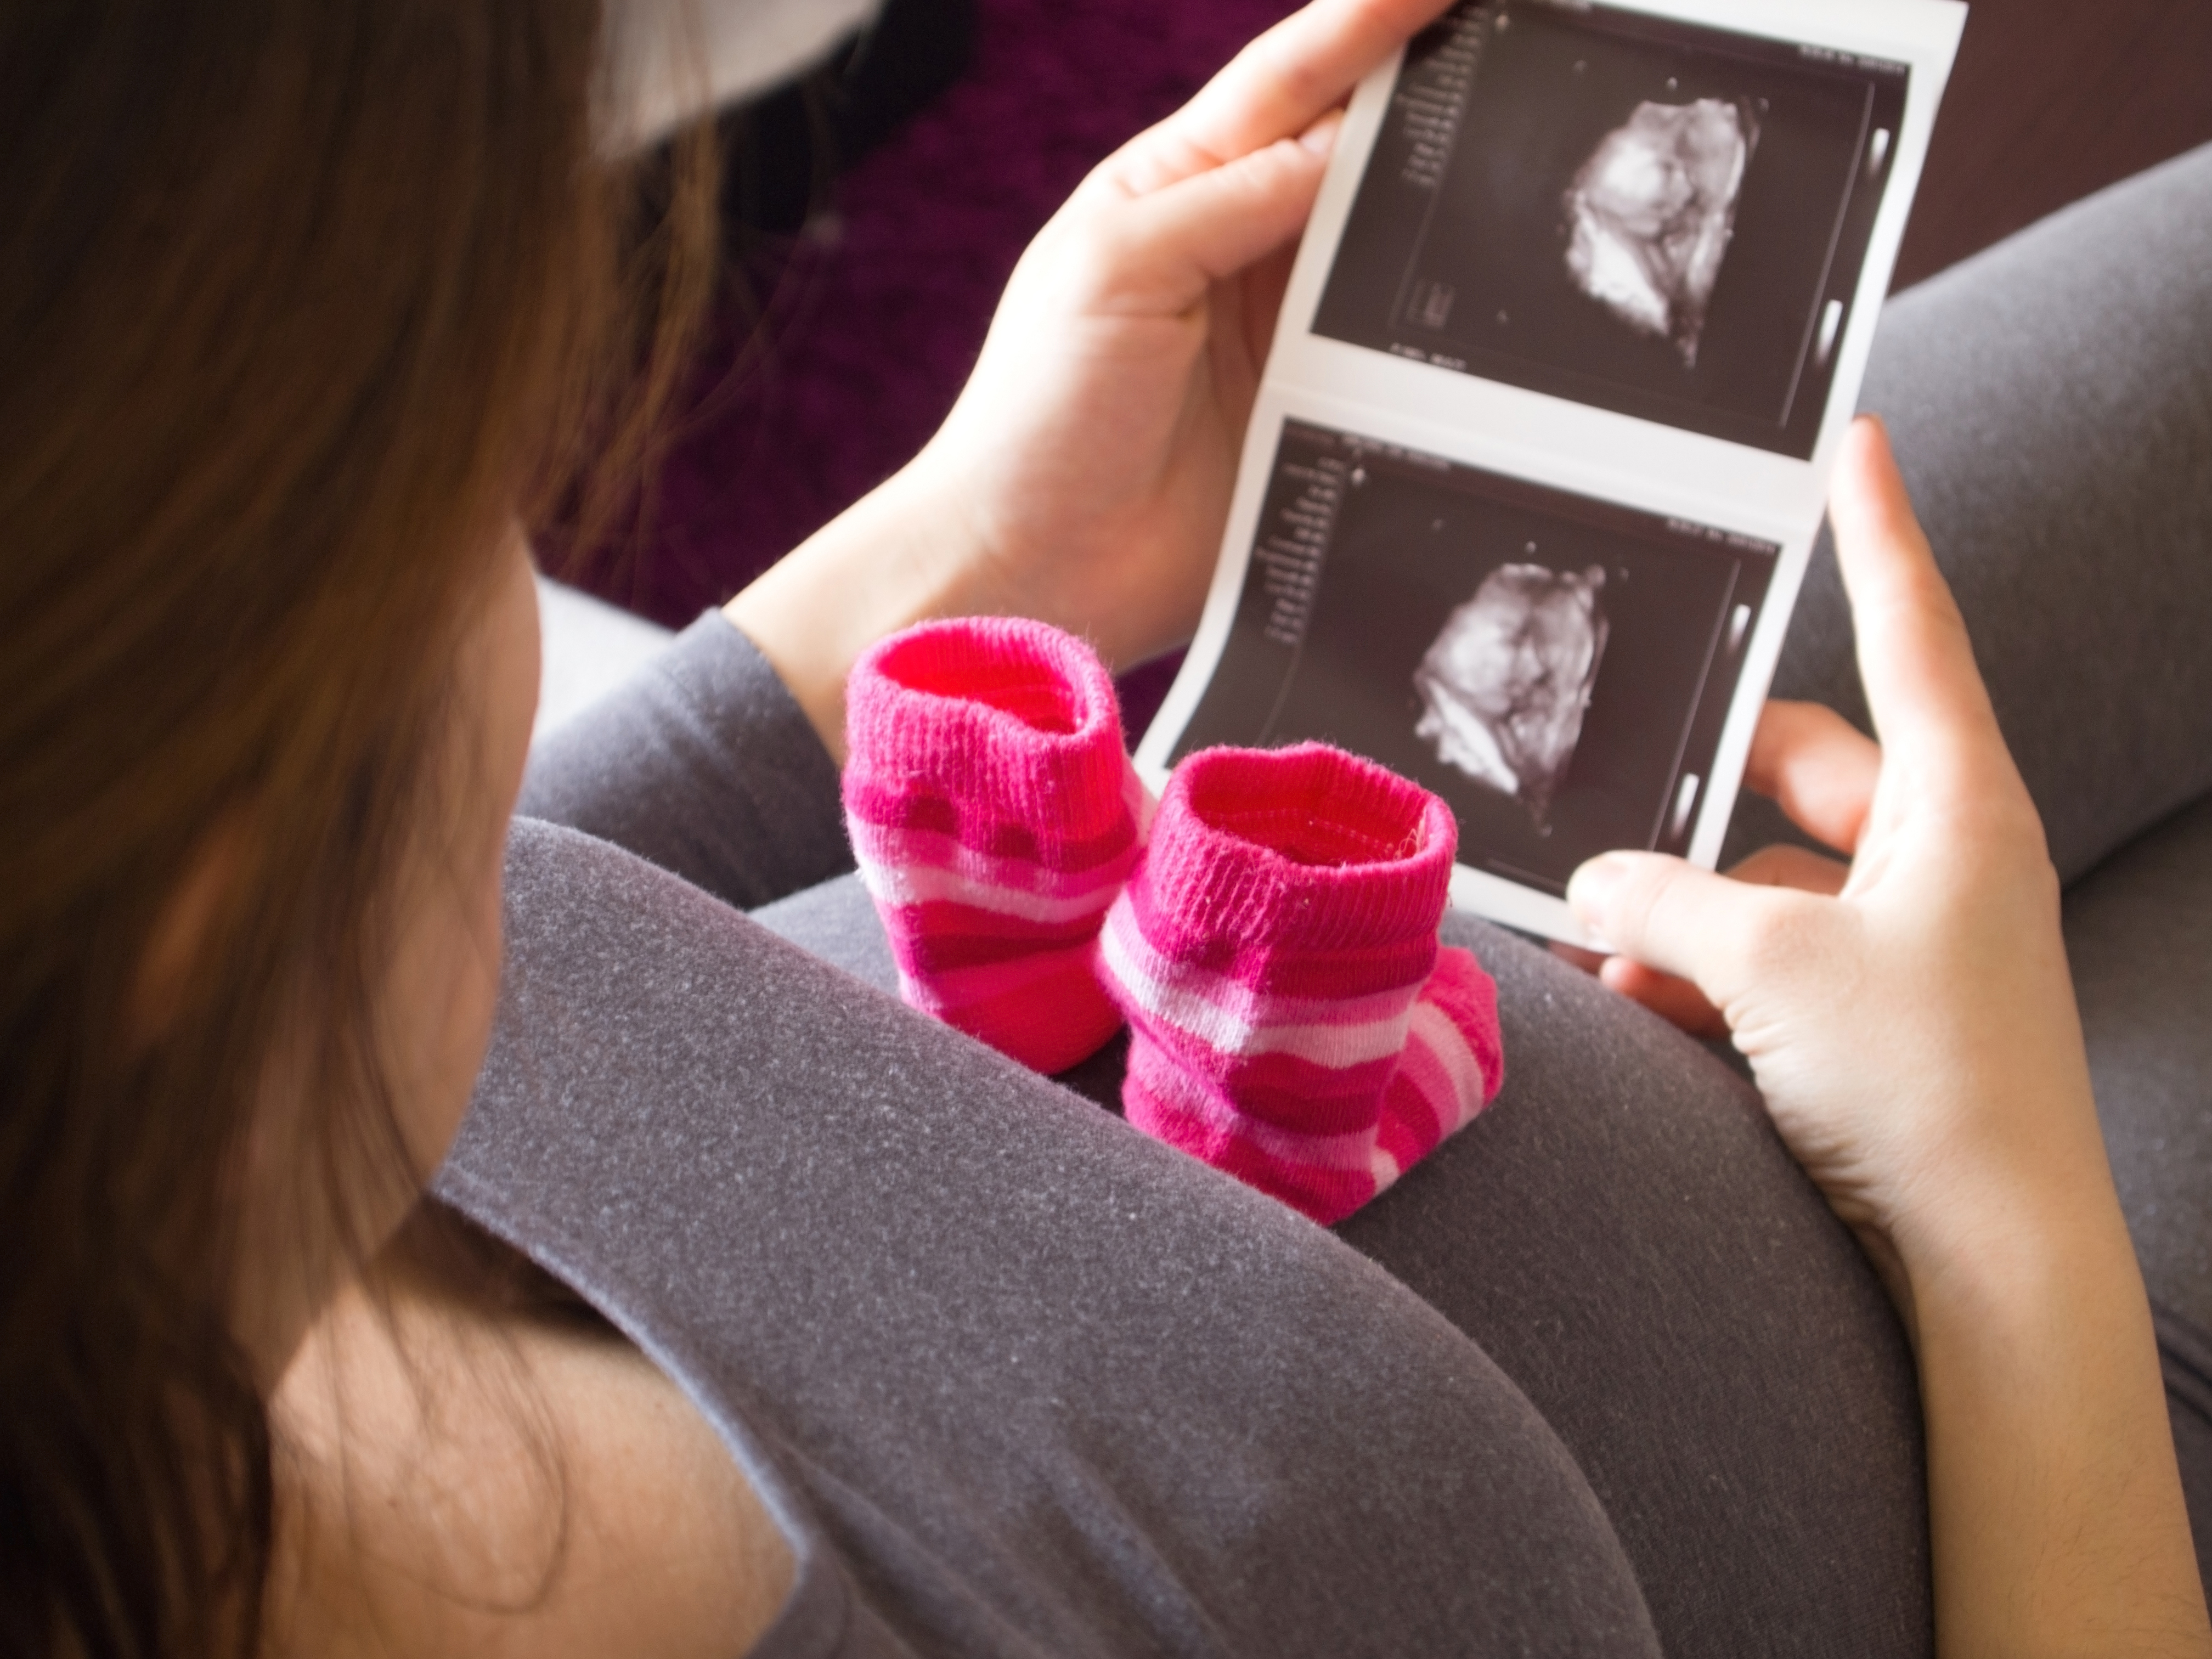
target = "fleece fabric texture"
x: 1015, y: 1379
x: 1623, y: 1234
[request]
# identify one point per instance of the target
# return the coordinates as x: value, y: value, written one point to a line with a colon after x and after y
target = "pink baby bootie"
x: 1295, y: 1022
x: 995, y: 816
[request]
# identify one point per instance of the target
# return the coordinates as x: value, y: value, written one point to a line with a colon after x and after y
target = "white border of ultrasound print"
x: 1489, y: 895
x: 1549, y: 440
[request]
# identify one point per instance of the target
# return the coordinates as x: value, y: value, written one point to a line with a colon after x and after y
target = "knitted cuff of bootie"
x: 1294, y: 1021
x: 995, y: 816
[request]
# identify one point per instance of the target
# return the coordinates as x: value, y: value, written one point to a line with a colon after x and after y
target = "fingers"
x: 1923, y: 688
x: 1275, y: 88
x: 1818, y: 767
x: 1674, y: 918
x: 1678, y: 1000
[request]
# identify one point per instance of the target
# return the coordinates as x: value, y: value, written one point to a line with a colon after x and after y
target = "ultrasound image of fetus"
x: 1651, y: 213
x: 1504, y: 687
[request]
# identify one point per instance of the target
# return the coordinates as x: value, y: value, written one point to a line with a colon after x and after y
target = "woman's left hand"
x: 1911, y: 1026
x: 1084, y: 476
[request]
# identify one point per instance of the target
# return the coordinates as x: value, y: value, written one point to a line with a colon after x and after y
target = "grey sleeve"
x: 701, y: 764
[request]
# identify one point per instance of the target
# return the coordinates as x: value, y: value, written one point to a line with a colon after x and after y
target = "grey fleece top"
x: 1012, y: 1378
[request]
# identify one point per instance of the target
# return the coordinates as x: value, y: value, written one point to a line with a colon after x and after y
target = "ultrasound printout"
x: 1632, y: 212
x: 1556, y: 668
x: 1538, y: 460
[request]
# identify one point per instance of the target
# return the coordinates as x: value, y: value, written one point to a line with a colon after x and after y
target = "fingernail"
x: 1591, y: 888
x: 1320, y: 138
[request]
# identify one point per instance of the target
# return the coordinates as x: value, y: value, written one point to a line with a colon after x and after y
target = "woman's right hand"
x: 1912, y: 1028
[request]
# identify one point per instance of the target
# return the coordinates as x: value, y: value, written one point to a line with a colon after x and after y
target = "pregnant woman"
x: 425, y: 1230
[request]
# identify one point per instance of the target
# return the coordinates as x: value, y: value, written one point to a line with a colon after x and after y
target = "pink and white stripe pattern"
x: 995, y: 816
x: 1294, y: 1021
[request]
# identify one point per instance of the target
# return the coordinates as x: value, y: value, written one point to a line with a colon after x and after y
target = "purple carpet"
x: 875, y: 324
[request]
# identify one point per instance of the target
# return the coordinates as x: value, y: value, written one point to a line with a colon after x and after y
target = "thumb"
x: 1678, y: 919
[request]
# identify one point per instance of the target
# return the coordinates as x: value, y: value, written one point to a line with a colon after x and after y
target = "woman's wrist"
x: 898, y: 555
x: 1995, y: 1254
x: 2014, y: 1180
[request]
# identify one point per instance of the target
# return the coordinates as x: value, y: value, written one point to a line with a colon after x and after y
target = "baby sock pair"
x: 1270, y: 936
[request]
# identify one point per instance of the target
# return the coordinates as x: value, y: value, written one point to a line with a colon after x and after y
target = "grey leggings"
x: 1623, y: 1234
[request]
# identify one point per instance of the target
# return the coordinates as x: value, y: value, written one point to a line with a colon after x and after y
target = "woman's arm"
x: 702, y: 764
x: 1084, y: 474
x: 1912, y: 1028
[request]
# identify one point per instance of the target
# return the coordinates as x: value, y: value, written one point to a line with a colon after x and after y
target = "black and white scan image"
x: 1638, y: 214
x: 1650, y: 213
x: 1504, y: 687
x: 1555, y: 667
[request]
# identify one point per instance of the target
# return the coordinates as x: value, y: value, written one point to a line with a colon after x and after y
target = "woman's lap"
x: 1624, y: 1236
x: 1627, y: 1239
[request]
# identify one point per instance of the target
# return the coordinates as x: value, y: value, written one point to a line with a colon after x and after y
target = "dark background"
x: 2049, y: 100
x: 1412, y: 545
x: 1550, y: 87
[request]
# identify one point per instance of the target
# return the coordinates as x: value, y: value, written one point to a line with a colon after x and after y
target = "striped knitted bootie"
x: 1295, y: 1022
x: 995, y: 816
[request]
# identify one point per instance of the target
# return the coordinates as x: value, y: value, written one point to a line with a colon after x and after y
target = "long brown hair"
x: 297, y: 302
